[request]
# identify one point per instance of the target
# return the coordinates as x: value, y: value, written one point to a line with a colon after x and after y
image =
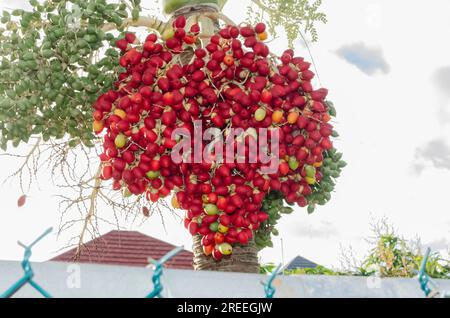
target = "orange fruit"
x: 228, y: 60
x: 263, y: 36
x: 277, y: 116
x: 317, y: 164
x: 292, y: 117
x: 97, y: 126
x: 175, y: 202
x: 326, y: 118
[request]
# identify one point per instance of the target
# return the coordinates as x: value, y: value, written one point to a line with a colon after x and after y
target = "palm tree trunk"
x: 244, y: 258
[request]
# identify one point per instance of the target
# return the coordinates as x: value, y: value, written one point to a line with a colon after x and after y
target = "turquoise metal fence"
x: 429, y: 287
x: 27, y: 278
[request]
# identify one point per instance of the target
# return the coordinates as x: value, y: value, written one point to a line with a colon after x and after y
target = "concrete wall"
x: 91, y: 281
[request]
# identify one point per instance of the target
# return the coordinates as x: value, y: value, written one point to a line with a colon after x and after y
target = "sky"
x: 387, y: 67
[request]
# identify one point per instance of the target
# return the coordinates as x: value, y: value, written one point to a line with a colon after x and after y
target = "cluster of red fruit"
x: 234, y: 81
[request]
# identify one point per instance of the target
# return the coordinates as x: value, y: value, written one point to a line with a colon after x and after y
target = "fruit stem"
x: 149, y: 22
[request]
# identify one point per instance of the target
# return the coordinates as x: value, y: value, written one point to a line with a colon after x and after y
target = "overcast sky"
x: 387, y: 66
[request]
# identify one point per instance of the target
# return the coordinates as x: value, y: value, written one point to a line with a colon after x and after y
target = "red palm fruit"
x: 258, y: 197
x: 283, y: 168
x: 299, y: 101
x: 208, y: 239
x: 230, y: 208
x: 326, y: 144
x: 232, y: 232
x: 301, y: 154
x: 195, y: 29
x: 306, y: 86
x: 312, y: 126
x: 260, y: 28
x: 206, y: 188
x: 163, y: 84
x: 137, y: 172
x: 122, y: 44
x: 242, y: 237
x: 299, y: 140
x: 302, y: 122
x: 119, y: 164
x: 169, y: 118
x: 317, y: 151
x: 212, y: 47
x: 189, y: 39
x: 217, y: 256
x: 315, y: 135
x: 225, y: 33
x: 107, y: 172
x: 238, y: 221
x: 318, y: 107
x: 123, y: 125
x: 302, y: 202
x: 225, y: 220
x: 180, y: 34
x: 212, y: 197
x: 165, y: 161
x: 325, y: 131
x: 247, y: 31
x: 218, y: 120
x: 319, y: 95
x: 128, y: 156
x: 234, y: 32
x: 307, y: 75
x: 130, y: 37
x: 222, y: 190
x: 263, y: 216
x: 116, y: 185
x: 200, y: 53
x: 291, y: 198
x: 208, y: 219
x: 180, y: 22
x: 224, y: 171
x: 149, y: 46
x: 236, y: 200
x: 229, y: 239
x: 222, y: 203
x: 219, y: 238
x: 193, y: 228
x: 204, y: 230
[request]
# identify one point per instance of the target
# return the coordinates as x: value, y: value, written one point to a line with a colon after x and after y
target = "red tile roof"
x: 128, y: 248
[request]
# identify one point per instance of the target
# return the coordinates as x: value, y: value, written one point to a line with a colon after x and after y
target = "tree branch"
x: 91, y: 212
x: 149, y: 22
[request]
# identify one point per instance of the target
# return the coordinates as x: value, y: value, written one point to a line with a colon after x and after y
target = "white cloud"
x: 441, y: 79
x: 368, y: 60
x: 322, y: 230
x: 435, y: 152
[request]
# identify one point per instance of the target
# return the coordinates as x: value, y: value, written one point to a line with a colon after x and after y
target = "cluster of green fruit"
x: 48, y: 78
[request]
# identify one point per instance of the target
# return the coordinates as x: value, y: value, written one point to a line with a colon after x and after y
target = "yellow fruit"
x: 120, y: 141
x: 310, y: 180
x: 168, y: 34
x: 175, y: 203
x: 317, y: 164
x: 97, y: 126
x: 260, y: 114
x: 225, y: 249
x: 222, y: 229
x: 120, y: 112
x: 263, y: 36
